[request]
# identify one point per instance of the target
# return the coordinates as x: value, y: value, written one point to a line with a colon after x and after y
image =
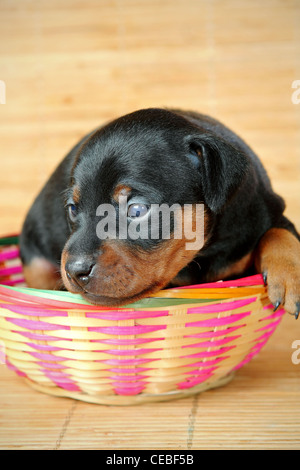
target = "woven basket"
x: 179, y: 342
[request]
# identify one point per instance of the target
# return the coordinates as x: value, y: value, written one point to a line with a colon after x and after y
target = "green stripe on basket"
x: 11, y: 240
x: 65, y: 296
x: 153, y: 302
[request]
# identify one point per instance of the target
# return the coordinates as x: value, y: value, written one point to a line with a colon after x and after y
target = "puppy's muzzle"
x: 79, y: 270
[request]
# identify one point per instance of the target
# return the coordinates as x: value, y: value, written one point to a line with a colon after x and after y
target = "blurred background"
x: 71, y: 65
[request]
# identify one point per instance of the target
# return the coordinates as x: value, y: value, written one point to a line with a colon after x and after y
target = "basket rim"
x: 191, y: 294
x: 69, y: 300
x: 159, y: 348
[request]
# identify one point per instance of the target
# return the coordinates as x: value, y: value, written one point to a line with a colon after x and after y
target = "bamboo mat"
x: 69, y: 66
x: 259, y: 409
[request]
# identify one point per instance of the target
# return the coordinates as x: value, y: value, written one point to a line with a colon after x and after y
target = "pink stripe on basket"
x: 129, y: 385
x: 224, y: 307
x: 259, y: 345
x: 8, y: 254
x: 213, y: 322
x: 204, y: 370
x: 126, y: 330
x: 38, y: 337
x: 245, y: 361
x: 11, y: 270
x: 128, y: 352
x: 122, y: 379
x: 193, y: 382
x: 254, y: 351
x: 212, y: 344
x: 50, y: 365
x: 208, y: 363
x: 135, y: 370
x: 71, y: 387
x: 47, y: 357
x: 126, y: 315
x: 36, y: 311
x: 43, y: 347
x: 21, y: 297
x: 265, y: 335
x: 56, y: 374
x: 126, y: 342
x: 270, y: 325
x: 198, y: 373
x: 63, y: 382
x: 209, y: 353
x: 215, y: 334
x: 36, y: 325
x: 268, y: 307
x: 15, y: 369
x: 129, y: 391
x: 128, y: 362
x: 273, y: 315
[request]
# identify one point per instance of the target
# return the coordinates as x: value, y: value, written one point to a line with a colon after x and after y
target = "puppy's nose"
x: 79, y: 270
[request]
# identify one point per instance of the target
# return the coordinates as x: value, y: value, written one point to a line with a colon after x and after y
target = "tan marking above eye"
x: 76, y: 194
x: 121, y: 190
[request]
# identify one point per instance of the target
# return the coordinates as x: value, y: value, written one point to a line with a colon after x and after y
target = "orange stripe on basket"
x: 256, y: 280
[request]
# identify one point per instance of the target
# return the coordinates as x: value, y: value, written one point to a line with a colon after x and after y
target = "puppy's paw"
x: 42, y: 274
x: 283, y: 282
x: 278, y: 259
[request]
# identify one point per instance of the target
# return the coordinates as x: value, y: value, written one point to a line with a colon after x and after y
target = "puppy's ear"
x: 221, y: 167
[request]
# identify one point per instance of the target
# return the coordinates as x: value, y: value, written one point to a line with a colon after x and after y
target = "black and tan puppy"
x: 157, y: 156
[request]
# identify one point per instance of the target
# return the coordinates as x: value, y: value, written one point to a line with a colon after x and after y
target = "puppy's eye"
x: 72, y: 212
x: 137, y: 210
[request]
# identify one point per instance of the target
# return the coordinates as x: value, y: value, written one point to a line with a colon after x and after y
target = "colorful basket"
x: 179, y: 342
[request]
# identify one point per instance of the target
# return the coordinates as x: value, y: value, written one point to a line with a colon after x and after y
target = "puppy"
x: 145, y: 159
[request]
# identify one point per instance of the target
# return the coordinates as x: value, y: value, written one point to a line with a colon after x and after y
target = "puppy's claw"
x: 298, y: 310
x: 264, y: 275
x: 277, y: 304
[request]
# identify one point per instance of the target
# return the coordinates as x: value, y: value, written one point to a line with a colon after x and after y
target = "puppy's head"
x: 118, y: 250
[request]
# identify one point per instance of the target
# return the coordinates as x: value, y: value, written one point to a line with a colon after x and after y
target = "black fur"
x: 167, y: 157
